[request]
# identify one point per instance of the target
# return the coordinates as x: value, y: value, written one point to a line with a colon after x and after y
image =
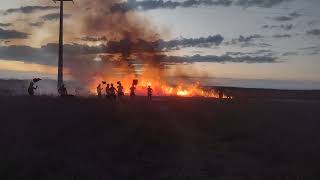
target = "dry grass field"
x: 50, y: 138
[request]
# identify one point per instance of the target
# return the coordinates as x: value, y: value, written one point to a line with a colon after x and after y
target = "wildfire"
x: 183, y: 93
x: 160, y: 87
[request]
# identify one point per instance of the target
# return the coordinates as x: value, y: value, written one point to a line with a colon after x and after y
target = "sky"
x: 248, y: 43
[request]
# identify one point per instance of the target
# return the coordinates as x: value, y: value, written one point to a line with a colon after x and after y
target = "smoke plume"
x: 128, y: 36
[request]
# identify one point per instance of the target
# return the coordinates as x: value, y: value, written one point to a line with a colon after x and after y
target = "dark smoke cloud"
x: 100, y: 21
x: 54, y: 16
x: 128, y: 34
x: 12, y: 34
x: 29, y: 9
x: 126, y: 46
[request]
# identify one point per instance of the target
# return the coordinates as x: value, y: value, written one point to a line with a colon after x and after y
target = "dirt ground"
x: 50, y: 138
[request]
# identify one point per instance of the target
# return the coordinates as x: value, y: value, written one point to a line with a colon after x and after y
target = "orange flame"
x: 160, y: 87
x: 154, y: 77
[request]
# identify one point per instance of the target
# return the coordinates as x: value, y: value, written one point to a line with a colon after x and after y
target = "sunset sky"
x: 249, y: 43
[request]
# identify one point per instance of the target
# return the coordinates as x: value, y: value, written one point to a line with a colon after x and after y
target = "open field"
x: 169, y: 138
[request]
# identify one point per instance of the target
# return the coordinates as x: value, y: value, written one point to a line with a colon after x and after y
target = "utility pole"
x: 60, y: 59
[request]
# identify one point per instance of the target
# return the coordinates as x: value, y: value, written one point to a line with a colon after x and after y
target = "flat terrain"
x: 50, y: 138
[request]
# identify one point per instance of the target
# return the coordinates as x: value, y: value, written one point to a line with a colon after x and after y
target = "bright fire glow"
x: 160, y: 87
x: 154, y: 77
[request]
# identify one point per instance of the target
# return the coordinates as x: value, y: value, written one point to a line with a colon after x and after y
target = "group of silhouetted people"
x: 112, y: 93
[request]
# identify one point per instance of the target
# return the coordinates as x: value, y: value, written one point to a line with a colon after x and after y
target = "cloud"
x: 160, y: 4
x: 247, y: 41
x: 217, y: 59
x: 312, y: 22
x: 29, y: 9
x: 312, y: 50
x: 12, y: 34
x: 160, y: 45
x: 283, y: 18
x: 281, y: 36
x: 263, y: 52
x: 260, y: 3
x: 48, y: 54
x: 5, y: 24
x: 127, y: 46
x: 290, y: 54
x: 75, y: 53
x: 26, y: 54
x: 249, y: 38
x: 36, y: 24
x: 93, y: 38
x: 314, y: 32
x: 54, y: 16
x: 295, y: 14
x: 286, y: 27
x: 289, y: 17
x: 264, y: 44
x: 4, y: 42
x: 79, y: 59
x: 192, y: 42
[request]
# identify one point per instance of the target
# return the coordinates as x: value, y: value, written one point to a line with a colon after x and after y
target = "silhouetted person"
x: 220, y: 93
x: 150, y: 91
x: 63, y: 91
x: 108, y: 91
x: 120, y: 89
x: 99, y: 90
x: 132, y: 91
x: 32, y: 88
x: 112, y: 91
